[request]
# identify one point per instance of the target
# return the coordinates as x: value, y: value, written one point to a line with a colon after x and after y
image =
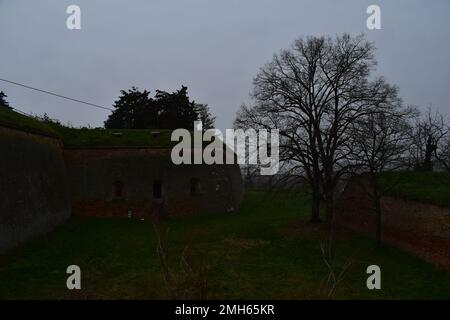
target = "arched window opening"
x: 195, y: 186
x: 118, y: 189
x: 157, y: 189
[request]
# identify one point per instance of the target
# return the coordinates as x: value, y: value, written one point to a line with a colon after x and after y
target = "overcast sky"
x: 215, y: 47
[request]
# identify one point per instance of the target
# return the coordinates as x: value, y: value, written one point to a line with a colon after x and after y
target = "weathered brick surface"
x: 93, y: 172
x: 41, y: 182
x: 419, y: 228
x: 33, y: 186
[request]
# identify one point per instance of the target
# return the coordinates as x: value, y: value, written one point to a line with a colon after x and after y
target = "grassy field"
x: 267, y: 250
x: 428, y: 187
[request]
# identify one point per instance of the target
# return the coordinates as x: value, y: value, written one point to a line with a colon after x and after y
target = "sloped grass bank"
x: 427, y: 187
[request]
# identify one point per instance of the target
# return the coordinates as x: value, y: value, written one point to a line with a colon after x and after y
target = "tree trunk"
x: 377, y: 205
x: 329, y: 199
x: 315, y: 207
x: 316, y: 194
x: 378, y: 217
x: 430, y: 148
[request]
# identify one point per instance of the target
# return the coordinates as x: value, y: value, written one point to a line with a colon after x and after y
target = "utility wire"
x: 56, y: 95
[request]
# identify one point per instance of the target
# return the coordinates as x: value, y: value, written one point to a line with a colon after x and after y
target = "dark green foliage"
x: 205, y: 116
x: 135, y: 109
x: 3, y: 102
x: 175, y: 110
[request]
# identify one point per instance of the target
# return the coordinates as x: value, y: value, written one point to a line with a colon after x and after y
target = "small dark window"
x: 195, y: 186
x: 157, y: 189
x: 118, y: 189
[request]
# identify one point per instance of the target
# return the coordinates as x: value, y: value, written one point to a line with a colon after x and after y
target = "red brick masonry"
x: 93, y: 174
x: 419, y: 228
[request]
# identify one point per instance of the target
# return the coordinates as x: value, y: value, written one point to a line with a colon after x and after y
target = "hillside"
x: 86, y: 137
x: 427, y: 187
x: 12, y: 119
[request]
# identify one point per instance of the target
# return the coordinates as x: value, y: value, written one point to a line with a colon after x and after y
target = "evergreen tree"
x: 3, y: 102
x: 135, y: 109
x: 204, y: 115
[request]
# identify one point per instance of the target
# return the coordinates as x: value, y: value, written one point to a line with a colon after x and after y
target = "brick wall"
x: 33, y: 190
x: 93, y: 173
x: 419, y: 228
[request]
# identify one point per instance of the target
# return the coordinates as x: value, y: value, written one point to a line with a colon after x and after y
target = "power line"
x: 56, y: 95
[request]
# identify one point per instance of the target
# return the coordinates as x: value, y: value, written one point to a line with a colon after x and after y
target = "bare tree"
x: 312, y: 93
x: 347, y: 67
x: 380, y: 142
x: 190, y: 281
x: 296, y: 140
x: 336, y: 271
x: 430, y: 141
